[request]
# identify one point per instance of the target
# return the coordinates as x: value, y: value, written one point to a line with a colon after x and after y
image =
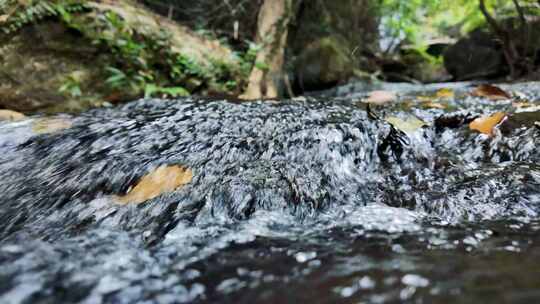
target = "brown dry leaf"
x: 445, y: 93
x: 163, y: 179
x: 50, y: 125
x: 381, y: 97
x: 3, y: 18
x: 486, y: 124
x: 10, y: 115
x: 491, y: 92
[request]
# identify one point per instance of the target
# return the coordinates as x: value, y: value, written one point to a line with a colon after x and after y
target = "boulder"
x: 328, y: 42
x: 478, y: 55
x: 323, y: 64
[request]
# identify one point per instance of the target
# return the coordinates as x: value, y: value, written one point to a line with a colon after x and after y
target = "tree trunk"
x: 509, y: 49
x: 272, y: 24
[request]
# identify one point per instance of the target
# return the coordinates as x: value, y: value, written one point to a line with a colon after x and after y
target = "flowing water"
x: 312, y: 200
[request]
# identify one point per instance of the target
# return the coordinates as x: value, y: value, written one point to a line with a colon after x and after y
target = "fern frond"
x: 20, y: 15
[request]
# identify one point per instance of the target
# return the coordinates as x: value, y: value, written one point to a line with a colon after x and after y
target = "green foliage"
x: 152, y: 90
x: 20, y: 13
x: 247, y: 59
x: 71, y: 86
x: 418, y: 20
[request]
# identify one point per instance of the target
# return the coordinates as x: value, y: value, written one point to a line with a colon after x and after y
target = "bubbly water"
x: 298, y: 201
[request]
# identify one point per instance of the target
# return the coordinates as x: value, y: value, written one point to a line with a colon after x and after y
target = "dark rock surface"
x: 478, y: 55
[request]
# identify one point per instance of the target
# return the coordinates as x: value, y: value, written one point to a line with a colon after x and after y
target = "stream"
x: 312, y: 200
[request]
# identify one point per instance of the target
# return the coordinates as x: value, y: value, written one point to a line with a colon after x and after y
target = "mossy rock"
x: 343, y: 31
x: 323, y: 64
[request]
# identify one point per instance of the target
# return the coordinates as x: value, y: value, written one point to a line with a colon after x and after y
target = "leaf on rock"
x: 408, y: 125
x: 381, y: 97
x: 445, y: 93
x: 486, y: 124
x: 50, y: 125
x: 522, y: 104
x: 434, y: 105
x: 163, y: 179
x: 490, y: 92
x: 10, y: 115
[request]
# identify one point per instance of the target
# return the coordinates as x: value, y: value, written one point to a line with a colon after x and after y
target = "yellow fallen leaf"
x: 381, y: 97
x: 424, y: 98
x: 50, y: 125
x: 486, y: 124
x: 434, y: 105
x: 445, y: 93
x: 10, y: 115
x: 408, y: 125
x: 163, y: 179
x: 522, y: 104
x: 490, y: 92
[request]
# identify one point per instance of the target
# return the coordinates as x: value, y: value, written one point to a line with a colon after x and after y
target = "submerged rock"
x: 283, y: 196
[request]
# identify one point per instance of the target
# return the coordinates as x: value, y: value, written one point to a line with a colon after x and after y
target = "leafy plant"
x: 153, y: 90
x: 14, y: 14
x: 72, y: 86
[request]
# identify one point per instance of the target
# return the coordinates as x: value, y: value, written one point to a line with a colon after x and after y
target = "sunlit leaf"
x: 50, y: 125
x: 162, y: 180
x: 486, y: 124
x: 381, y: 97
x: 408, y: 125
x: 445, y: 93
x: 10, y: 115
x: 434, y: 105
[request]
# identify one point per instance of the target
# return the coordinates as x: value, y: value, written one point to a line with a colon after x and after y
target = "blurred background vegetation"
x: 70, y: 55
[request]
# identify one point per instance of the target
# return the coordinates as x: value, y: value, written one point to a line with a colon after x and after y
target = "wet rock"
x: 520, y: 120
x: 452, y: 121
